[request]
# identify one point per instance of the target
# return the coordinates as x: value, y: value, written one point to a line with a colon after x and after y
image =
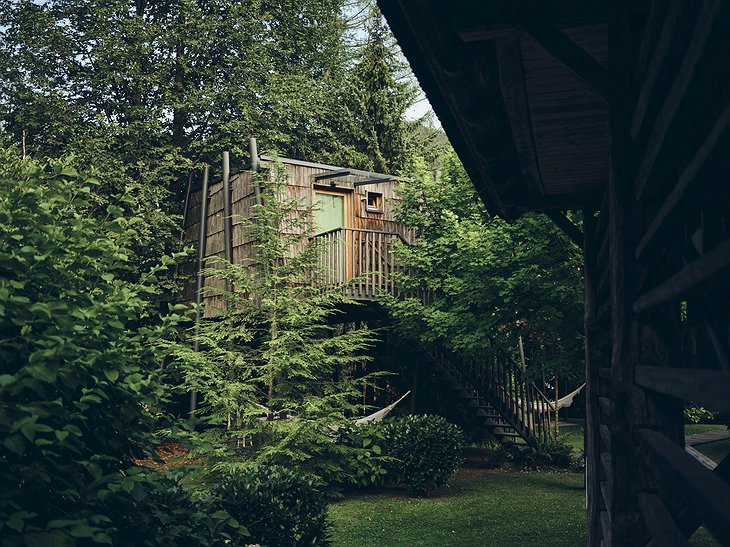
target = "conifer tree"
x: 274, y: 368
x: 381, y: 93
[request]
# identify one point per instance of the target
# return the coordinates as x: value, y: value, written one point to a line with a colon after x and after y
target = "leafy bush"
x: 277, y: 506
x: 427, y: 450
x: 157, y: 511
x: 79, y: 367
x: 697, y: 414
x: 368, y: 465
x: 552, y: 454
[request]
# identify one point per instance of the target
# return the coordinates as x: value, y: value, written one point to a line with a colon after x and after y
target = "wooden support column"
x: 625, y: 525
x: 592, y: 428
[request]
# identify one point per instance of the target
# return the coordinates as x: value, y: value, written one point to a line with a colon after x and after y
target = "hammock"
x: 545, y: 405
x: 568, y: 399
x: 380, y: 414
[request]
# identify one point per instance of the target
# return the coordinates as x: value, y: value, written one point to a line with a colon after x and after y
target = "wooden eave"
x: 521, y: 88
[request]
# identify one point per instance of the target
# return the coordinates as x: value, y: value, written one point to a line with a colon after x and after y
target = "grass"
x: 572, y: 436
x: 694, y: 429
x: 482, y: 507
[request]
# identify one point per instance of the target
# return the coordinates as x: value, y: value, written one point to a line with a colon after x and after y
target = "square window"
x: 375, y: 202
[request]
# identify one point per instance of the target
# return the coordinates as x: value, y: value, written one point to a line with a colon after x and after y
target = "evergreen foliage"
x: 492, y: 281
x: 148, y: 91
x: 380, y: 96
x: 273, y: 369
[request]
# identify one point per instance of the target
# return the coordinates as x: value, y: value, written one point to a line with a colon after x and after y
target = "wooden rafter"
x: 673, y: 99
x: 511, y: 81
x: 566, y: 225
x: 691, y: 276
x: 556, y: 43
x: 718, y: 136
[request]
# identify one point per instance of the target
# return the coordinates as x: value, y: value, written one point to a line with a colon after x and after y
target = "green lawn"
x: 482, y: 507
x: 572, y: 436
x: 694, y: 429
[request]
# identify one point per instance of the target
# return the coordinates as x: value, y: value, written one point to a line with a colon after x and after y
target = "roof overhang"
x: 521, y: 88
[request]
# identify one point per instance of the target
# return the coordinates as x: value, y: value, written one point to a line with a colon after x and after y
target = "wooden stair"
x: 493, y: 405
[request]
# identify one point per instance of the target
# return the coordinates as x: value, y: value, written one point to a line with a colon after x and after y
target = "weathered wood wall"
x: 300, y: 185
x: 658, y: 281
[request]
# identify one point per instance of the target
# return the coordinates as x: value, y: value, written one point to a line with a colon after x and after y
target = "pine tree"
x: 272, y: 366
x: 381, y: 93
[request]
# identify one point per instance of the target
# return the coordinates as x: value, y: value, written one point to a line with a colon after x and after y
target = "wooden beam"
x: 556, y: 43
x: 715, y: 144
x: 605, y: 404
x: 567, y: 226
x: 668, y: 22
x: 674, y: 98
x: 710, y: 494
x: 512, y: 84
x: 333, y: 174
x: 691, y: 276
x: 606, y: 528
x: 659, y: 521
x: 420, y: 48
x: 605, y: 437
x: 652, y: 28
x: 705, y: 387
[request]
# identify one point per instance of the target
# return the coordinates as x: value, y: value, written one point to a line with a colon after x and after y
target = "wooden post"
x: 200, y: 280
x: 227, y: 221
x: 625, y: 524
x: 557, y: 429
x: 592, y: 424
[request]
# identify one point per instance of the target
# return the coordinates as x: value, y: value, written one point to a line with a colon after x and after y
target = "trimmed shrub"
x: 427, y: 450
x: 277, y: 506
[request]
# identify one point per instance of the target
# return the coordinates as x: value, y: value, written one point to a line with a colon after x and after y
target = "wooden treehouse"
x: 620, y: 109
x: 355, y: 219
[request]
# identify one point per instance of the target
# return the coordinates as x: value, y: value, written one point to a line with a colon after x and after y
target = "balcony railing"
x: 361, y: 259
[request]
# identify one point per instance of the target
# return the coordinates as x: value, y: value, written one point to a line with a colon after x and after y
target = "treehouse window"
x: 375, y: 202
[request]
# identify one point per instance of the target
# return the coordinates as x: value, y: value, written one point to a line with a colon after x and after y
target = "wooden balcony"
x: 361, y: 260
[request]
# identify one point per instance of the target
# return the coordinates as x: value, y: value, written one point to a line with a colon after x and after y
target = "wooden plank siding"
x: 368, y: 242
x: 664, y: 240
x: 655, y: 146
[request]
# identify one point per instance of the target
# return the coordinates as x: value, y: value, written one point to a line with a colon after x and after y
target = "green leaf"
x: 6, y: 379
x: 62, y: 435
x: 42, y: 308
x: 16, y: 521
x: 82, y: 531
x: 111, y: 374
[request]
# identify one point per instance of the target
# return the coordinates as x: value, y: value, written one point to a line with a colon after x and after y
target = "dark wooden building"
x: 620, y: 109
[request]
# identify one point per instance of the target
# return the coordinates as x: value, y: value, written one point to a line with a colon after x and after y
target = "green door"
x: 330, y: 212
